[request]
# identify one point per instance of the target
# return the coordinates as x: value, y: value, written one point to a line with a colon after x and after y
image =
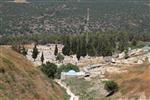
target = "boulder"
x: 121, y: 55
x: 140, y: 62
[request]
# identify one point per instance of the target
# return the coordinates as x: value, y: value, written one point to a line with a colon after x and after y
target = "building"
x: 147, y: 47
x: 72, y: 73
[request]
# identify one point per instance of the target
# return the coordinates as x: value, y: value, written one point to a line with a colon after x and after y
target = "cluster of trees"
x: 120, y: 16
x: 53, y: 71
x: 57, y: 38
x: 58, y: 55
x: 33, y: 38
x: 49, y: 69
x: 98, y: 44
x: 92, y: 44
x: 24, y: 51
x: 20, y: 49
x: 35, y: 52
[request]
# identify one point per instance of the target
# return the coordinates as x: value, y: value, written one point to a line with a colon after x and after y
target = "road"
x: 72, y: 95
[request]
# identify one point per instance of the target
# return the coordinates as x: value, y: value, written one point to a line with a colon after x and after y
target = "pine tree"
x: 60, y: 57
x: 99, y: 47
x: 134, y: 42
x: 42, y: 58
x: 56, y: 50
x: 35, y: 53
x: 66, y: 49
x: 83, y: 50
x: 91, y: 51
x: 24, y: 51
x: 123, y: 42
x: 78, y: 55
x: 107, y: 46
x: 74, y: 44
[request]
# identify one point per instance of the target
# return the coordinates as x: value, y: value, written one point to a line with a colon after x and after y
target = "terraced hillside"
x: 20, y: 80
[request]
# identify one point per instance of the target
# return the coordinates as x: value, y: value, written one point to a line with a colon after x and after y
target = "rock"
x: 149, y: 60
x: 140, y: 62
x: 121, y: 55
x: 108, y: 59
x: 113, y: 60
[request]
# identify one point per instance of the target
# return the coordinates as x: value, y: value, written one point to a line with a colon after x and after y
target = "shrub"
x: 49, y: 69
x: 60, y: 57
x: 2, y: 70
x: 111, y: 86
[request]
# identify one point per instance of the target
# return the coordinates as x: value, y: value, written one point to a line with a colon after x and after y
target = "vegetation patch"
x: 87, y: 90
x: 49, y: 69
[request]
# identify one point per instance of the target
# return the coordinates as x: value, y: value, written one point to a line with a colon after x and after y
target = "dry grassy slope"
x: 136, y: 82
x: 20, y: 80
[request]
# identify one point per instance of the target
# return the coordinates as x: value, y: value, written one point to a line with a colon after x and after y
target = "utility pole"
x: 88, y: 15
x: 86, y: 28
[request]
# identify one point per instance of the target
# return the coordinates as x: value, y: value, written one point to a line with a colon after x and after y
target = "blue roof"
x: 146, y: 47
x: 71, y: 72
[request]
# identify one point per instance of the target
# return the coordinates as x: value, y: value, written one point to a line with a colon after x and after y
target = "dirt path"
x: 72, y: 95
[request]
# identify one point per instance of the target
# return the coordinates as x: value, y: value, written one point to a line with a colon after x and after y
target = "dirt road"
x: 72, y: 95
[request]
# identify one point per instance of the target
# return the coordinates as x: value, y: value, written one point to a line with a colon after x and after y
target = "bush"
x: 60, y: 57
x: 66, y: 68
x: 49, y: 69
x: 111, y: 86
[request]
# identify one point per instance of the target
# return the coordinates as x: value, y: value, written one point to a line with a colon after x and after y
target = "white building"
x: 71, y: 73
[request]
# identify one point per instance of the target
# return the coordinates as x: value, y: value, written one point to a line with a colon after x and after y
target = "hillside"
x: 20, y: 80
x: 135, y: 82
x: 70, y: 16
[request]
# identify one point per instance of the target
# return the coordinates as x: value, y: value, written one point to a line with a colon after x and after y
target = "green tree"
x: 56, y: 50
x: 35, y: 52
x: 66, y: 49
x: 111, y: 86
x: 49, y: 69
x: 91, y: 51
x: 78, y: 54
x: 60, y: 57
x: 134, y: 42
x: 24, y: 51
x: 83, y: 50
x: 123, y: 41
x: 74, y: 45
x: 42, y: 58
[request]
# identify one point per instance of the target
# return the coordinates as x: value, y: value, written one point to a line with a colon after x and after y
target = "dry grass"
x: 135, y: 81
x: 19, y: 79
